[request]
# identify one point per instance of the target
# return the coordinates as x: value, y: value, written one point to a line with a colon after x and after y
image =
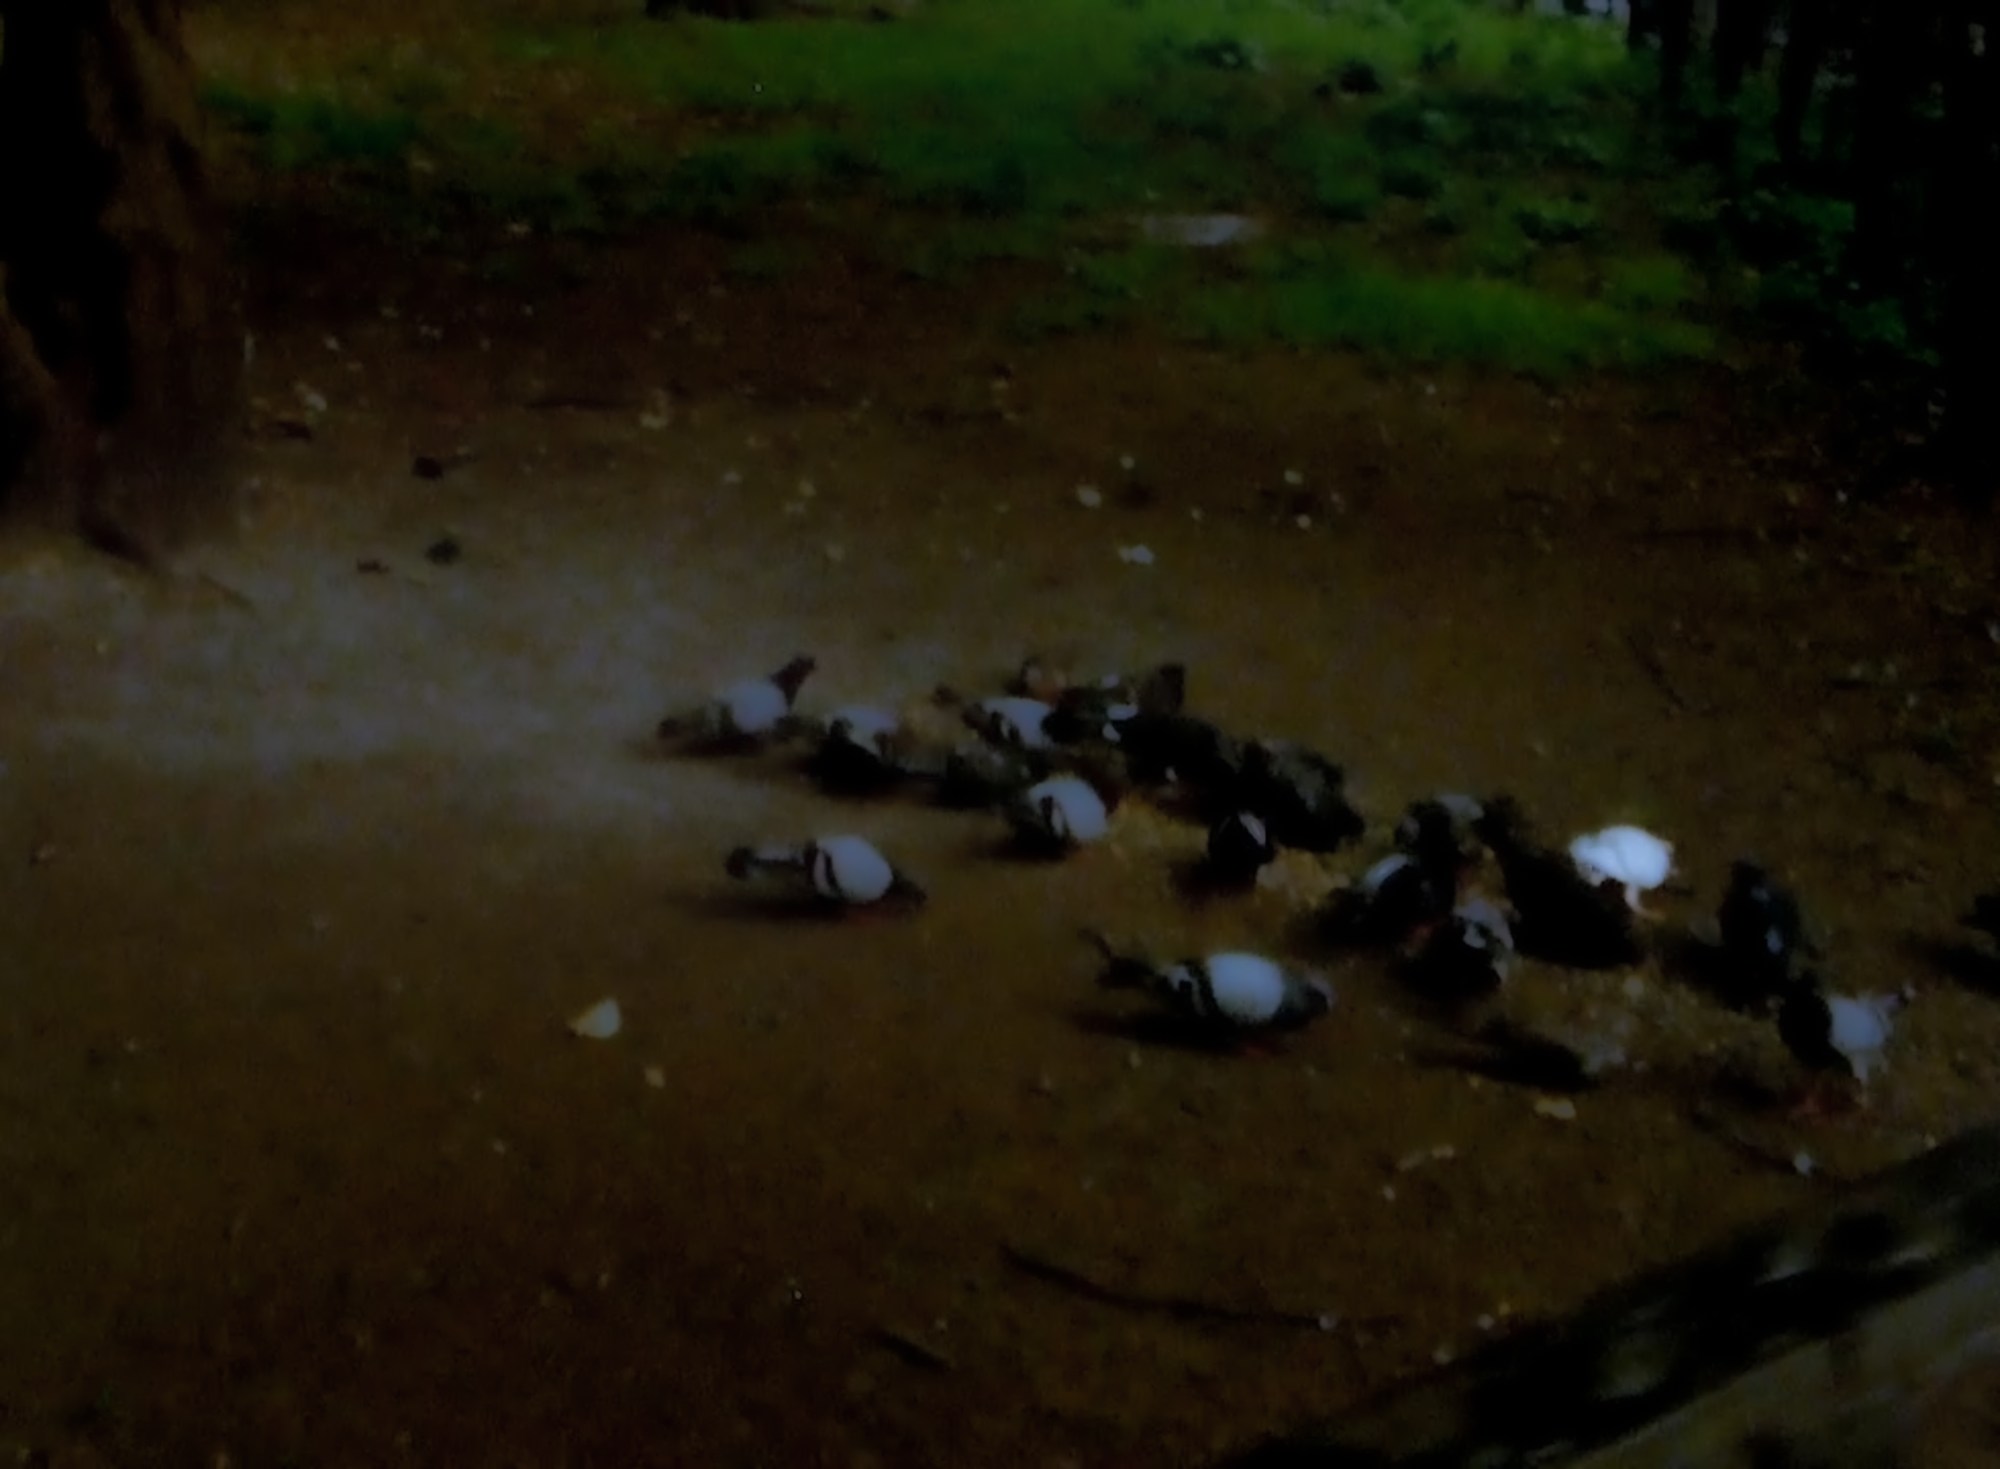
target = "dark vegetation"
x: 1436, y: 180
x: 1858, y: 182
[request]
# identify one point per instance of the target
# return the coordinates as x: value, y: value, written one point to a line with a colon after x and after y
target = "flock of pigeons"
x: 1057, y: 755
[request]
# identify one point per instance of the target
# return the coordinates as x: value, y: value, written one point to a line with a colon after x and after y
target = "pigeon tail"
x: 744, y: 861
x: 1120, y: 971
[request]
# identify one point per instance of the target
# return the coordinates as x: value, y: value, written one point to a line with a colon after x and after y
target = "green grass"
x: 1654, y: 283
x: 1418, y: 163
x: 314, y: 129
x: 1313, y: 296
x: 1499, y: 324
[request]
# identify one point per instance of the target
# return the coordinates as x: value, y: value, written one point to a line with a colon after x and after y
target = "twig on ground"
x: 912, y: 1348
x: 228, y: 593
x: 1648, y: 659
x: 1184, y: 1308
x: 1720, y: 1128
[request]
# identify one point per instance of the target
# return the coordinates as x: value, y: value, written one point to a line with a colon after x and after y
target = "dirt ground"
x: 303, y: 868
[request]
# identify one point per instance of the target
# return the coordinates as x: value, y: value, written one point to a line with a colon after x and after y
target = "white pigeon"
x: 1233, y: 993
x: 841, y: 869
x: 1061, y: 812
x: 748, y: 710
x: 1245, y: 991
x: 1016, y: 722
x: 1860, y: 1029
x: 1836, y: 1035
x: 1633, y: 858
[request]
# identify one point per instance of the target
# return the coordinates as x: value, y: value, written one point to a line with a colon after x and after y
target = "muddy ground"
x: 304, y: 867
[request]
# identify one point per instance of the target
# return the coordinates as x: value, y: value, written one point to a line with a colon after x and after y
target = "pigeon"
x: 743, y: 713
x: 860, y: 749
x: 1446, y: 817
x: 845, y: 870
x: 1559, y: 914
x: 1301, y: 795
x: 1180, y: 749
x: 1549, y: 1060
x: 1839, y: 1036
x: 1062, y: 812
x: 1231, y: 995
x: 1239, y: 847
x: 1012, y: 722
x: 1098, y: 711
x: 1762, y: 933
x: 1629, y: 856
x: 1402, y: 896
x: 1396, y: 899
x: 1162, y: 688
x: 1466, y: 957
x: 977, y: 774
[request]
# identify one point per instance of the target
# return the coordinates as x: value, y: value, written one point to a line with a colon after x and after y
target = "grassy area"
x: 1435, y: 179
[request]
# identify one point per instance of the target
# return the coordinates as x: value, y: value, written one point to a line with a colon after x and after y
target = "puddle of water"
x: 1200, y: 231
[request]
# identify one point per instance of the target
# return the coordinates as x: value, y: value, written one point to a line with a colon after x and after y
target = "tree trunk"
x: 1970, y: 251
x: 1736, y: 48
x: 1676, y: 48
x: 1893, y: 36
x: 29, y: 397
x: 1741, y: 27
x: 1642, y: 23
x: 1809, y: 33
x: 120, y: 356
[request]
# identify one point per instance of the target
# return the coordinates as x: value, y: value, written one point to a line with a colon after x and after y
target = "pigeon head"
x: 793, y: 675
x: 1429, y: 834
x: 1747, y: 872
x: 1164, y: 690
x: 1181, y: 980
x: 1501, y: 822
x: 1054, y: 819
x: 1315, y: 995
x: 1240, y: 841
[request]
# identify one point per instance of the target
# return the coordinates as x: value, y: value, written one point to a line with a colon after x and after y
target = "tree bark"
x: 1809, y: 34
x: 1676, y: 19
x: 1741, y: 28
x: 1970, y: 250
x: 1893, y: 38
x: 1642, y: 23
x: 120, y: 356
